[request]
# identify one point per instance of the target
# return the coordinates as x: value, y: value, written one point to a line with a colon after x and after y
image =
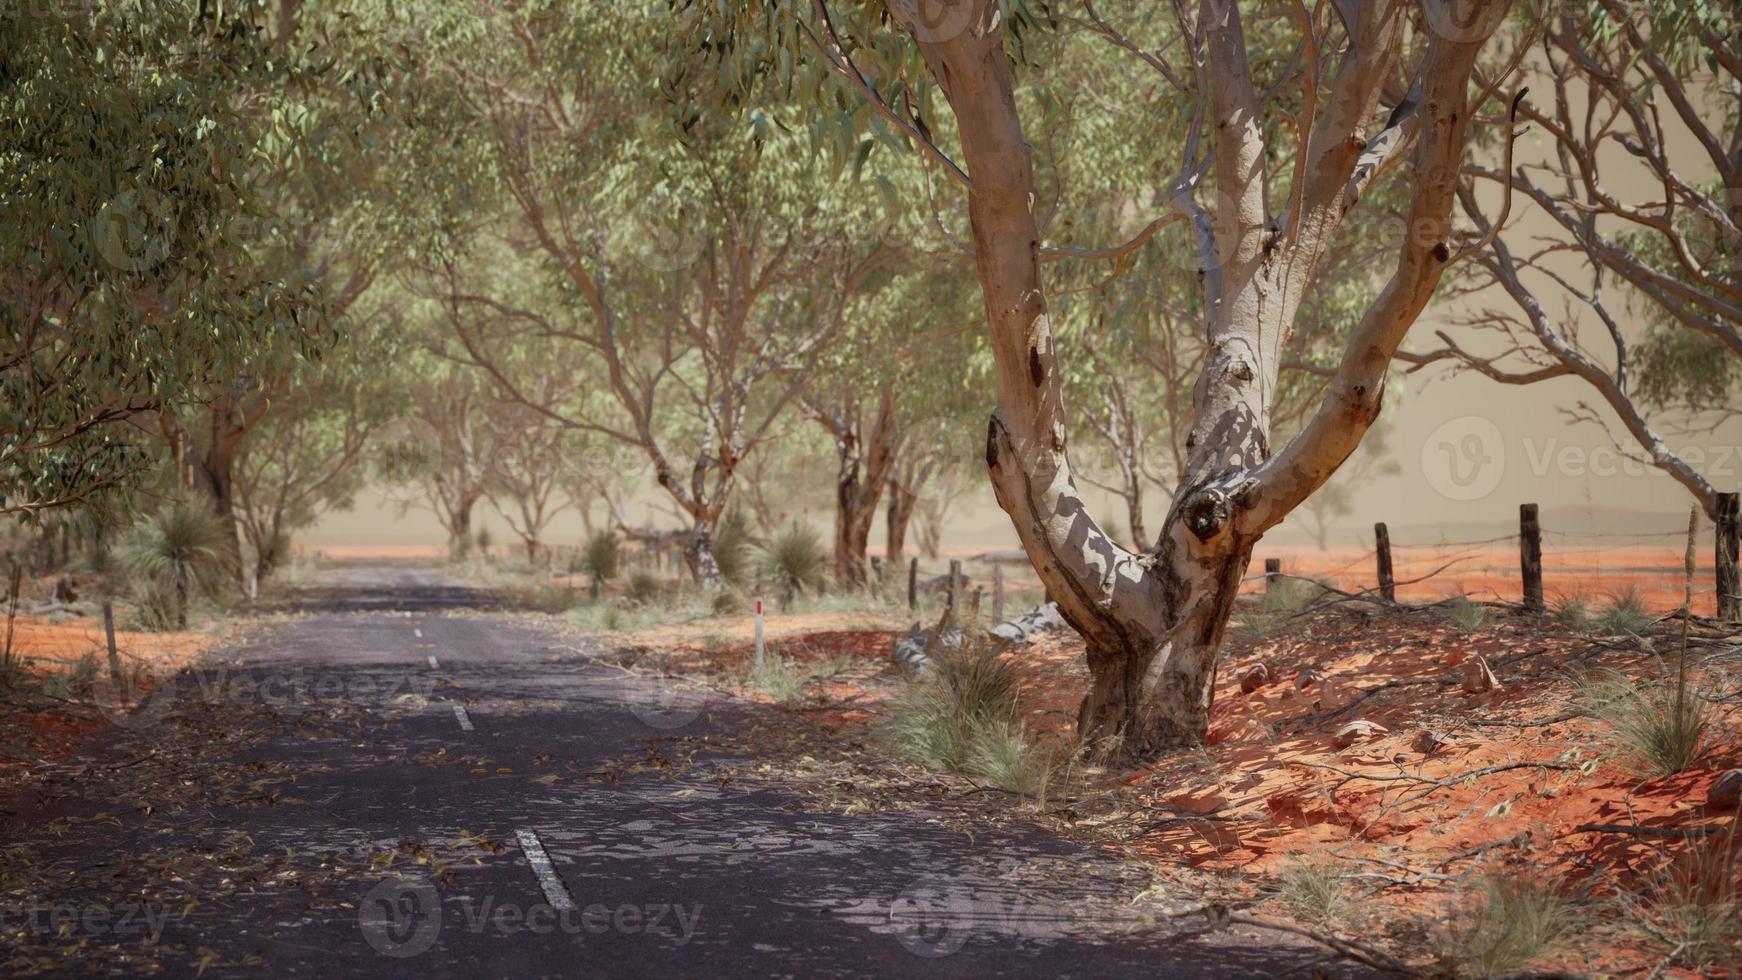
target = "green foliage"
x: 1657, y: 731
x: 732, y: 546
x: 796, y: 560
x: 129, y: 226
x: 1516, y: 920
x: 962, y: 716
x: 177, y: 549
x: 602, y: 556
x: 1625, y: 612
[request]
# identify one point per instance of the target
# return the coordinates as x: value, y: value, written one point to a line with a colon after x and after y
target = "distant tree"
x: 696, y: 270
x: 309, y: 455
x: 1635, y: 287
x: 526, y: 485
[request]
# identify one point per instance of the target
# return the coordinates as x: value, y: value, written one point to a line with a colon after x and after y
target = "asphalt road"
x: 396, y: 720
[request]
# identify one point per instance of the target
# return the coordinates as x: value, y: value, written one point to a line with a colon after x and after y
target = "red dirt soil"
x: 51, y: 647
x: 1509, y: 788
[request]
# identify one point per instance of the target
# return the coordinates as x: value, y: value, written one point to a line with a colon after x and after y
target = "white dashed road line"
x: 554, y: 892
x: 432, y: 663
x: 465, y: 720
x: 419, y: 633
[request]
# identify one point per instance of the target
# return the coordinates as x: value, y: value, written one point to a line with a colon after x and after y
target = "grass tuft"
x: 602, y: 557
x: 1693, y: 909
x: 1572, y: 610
x: 796, y: 560
x: 778, y: 678
x: 644, y: 588
x: 1626, y: 612
x: 1469, y: 616
x: 962, y: 716
x: 1518, y: 920
x: 1656, y: 732
x: 1313, y: 891
x: 732, y: 541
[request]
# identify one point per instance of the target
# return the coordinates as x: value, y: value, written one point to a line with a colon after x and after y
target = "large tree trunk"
x: 698, y: 555
x: 1154, y: 622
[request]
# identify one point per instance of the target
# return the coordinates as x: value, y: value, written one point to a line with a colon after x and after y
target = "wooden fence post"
x: 1272, y: 572
x: 109, y: 631
x: 998, y: 593
x: 1530, y: 556
x: 1382, y: 548
x: 913, y: 583
x: 1729, y: 577
x: 955, y: 583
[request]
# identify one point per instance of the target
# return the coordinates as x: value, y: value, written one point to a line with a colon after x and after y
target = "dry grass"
x: 1313, y: 891
x: 1517, y: 921
x: 1471, y: 617
x: 1657, y: 731
x: 1626, y: 612
x: 777, y: 677
x: 962, y: 716
x: 1692, y: 910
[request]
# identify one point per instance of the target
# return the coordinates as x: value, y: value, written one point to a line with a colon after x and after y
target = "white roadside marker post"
x: 759, y: 634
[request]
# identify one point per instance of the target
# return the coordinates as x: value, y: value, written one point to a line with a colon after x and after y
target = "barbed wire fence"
x: 1645, y: 565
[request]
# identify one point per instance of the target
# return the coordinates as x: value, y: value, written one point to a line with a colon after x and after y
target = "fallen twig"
x: 1666, y: 833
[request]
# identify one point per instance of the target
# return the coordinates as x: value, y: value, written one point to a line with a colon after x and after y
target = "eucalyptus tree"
x: 526, y: 485
x: 1283, y: 144
x: 903, y: 367
x: 694, y: 266
x: 1634, y: 285
x: 316, y: 112
x: 124, y: 205
x: 310, y: 454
